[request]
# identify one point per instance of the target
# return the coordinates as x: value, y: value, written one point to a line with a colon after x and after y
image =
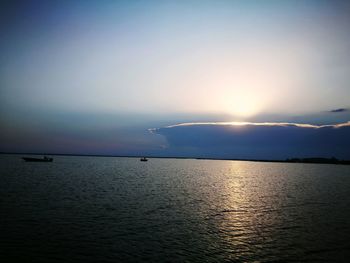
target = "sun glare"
x: 241, y: 105
x: 245, y: 89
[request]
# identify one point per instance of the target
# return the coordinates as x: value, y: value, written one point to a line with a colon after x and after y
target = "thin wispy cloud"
x: 280, y: 124
x: 339, y: 110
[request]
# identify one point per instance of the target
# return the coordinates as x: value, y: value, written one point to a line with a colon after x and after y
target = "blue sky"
x: 94, y: 76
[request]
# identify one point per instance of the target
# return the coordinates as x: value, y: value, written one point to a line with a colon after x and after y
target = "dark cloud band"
x: 258, y: 140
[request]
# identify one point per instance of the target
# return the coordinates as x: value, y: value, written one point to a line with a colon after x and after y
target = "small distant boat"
x: 34, y: 159
x: 144, y: 159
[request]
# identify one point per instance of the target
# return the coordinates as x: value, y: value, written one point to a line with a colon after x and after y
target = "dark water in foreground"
x: 87, y: 209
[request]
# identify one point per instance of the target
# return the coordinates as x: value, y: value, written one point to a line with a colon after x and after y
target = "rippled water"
x: 83, y: 209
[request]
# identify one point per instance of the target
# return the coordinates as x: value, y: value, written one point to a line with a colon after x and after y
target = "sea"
x: 115, y: 209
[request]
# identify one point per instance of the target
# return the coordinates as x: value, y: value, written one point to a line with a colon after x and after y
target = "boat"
x: 34, y: 159
x: 143, y: 159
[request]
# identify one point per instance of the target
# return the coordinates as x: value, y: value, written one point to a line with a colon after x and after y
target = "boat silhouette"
x: 35, y: 159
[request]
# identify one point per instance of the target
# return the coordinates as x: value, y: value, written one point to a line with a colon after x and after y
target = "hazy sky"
x: 160, y: 59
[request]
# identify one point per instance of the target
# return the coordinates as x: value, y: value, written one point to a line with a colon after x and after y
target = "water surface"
x: 108, y: 209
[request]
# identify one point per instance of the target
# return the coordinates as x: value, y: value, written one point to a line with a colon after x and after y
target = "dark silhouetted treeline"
x: 332, y: 160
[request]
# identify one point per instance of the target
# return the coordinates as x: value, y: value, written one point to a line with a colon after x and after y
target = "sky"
x: 93, y: 77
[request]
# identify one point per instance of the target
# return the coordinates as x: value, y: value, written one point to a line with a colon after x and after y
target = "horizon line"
x: 179, y: 157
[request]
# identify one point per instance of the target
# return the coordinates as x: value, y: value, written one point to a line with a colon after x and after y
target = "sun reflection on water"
x: 248, y: 210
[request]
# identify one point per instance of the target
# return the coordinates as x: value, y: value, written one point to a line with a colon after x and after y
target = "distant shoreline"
x: 314, y: 160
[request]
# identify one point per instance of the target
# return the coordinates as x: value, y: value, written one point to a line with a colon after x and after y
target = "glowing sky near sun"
x: 233, y: 57
x: 93, y: 76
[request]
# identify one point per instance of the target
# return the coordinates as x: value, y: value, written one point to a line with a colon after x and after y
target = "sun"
x: 241, y: 105
x: 244, y: 90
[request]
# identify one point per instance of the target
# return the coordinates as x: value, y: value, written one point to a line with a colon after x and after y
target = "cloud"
x: 338, y: 110
x: 281, y: 124
x: 257, y: 140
